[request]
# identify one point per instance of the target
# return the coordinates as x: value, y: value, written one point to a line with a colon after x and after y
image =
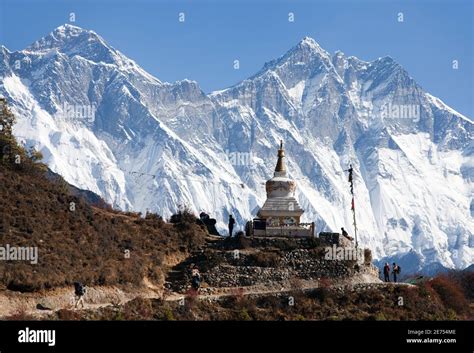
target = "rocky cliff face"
x: 108, y: 126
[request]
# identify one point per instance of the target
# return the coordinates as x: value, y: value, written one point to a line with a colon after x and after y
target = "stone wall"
x: 269, y: 262
x: 239, y: 269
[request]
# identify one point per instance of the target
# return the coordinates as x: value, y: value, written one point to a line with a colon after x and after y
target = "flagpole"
x: 355, y: 224
x: 351, y: 181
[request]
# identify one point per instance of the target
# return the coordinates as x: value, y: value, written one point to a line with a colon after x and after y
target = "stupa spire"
x: 280, y: 168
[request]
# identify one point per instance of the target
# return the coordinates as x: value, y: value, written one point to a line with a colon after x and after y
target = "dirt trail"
x: 95, y: 298
x: 303, y: 285
x: 99, y: 297
x: 43, y: 303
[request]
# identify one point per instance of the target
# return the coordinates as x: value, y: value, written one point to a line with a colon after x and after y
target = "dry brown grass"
x: 265, y: 259
x: 86, y: 244
x: 21, y: 314
x: 450, y: 292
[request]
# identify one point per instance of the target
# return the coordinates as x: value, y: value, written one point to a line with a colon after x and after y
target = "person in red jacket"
x: 386, y: 272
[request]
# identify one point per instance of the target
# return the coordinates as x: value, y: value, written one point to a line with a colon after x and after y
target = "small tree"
x: 184, y: 217
x: 35, y: 160
x: 9, y: 149
x: 7, y: 119
x: 35, y: 155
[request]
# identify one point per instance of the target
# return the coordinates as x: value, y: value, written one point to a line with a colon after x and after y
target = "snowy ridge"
x: 152, y: 145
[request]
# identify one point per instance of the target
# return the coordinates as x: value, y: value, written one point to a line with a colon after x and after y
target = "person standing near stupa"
x: 231, y: 225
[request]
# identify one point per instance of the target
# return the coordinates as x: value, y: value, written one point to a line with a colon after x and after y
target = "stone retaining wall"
x: 240, y: 269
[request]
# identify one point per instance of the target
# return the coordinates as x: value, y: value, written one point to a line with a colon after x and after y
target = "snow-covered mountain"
x: 108, y: 126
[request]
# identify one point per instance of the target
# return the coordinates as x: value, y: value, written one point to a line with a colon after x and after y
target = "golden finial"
x: 280, y: 167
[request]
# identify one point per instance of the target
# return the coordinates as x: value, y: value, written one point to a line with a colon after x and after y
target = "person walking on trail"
x: 231, y: 225
x: 395, y: 271
x: 195, y: 278
x: 386, y: 272
x: 79, y: 292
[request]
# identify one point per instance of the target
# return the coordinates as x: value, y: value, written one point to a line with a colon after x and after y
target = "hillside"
x: 77, y: 241
x: 87, y: 244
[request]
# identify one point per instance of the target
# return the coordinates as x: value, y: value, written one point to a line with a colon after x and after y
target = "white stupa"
x: 281, y: 206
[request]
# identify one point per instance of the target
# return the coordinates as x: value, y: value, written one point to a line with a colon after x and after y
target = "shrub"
x: 450, y: 293
x: 168, y: 314
x: 239, y: 241
x: 68, y: 315
x: 138, y: 309
x: 244, y: 315
x: 238, y: 297
x: 265, y: 259
x: 466, y: 280
x: 287, y: 244
x: 156, y: 219
x: 184, y: 217
x: 367, y: 256
x: 21, y: 314
x: 314, y: 243
x: 242, y: 242
x: 191, y: 298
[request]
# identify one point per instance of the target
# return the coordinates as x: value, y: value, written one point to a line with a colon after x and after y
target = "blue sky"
x: 215, y: 33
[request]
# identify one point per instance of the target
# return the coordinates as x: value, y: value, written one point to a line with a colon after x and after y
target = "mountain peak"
x: 388, y: 64
x: 306, y: 53
x: 73, y: 40
x: 67, y: 30
x: 308, y: 41
x: 311, y: 44
x: 62, y: 36
x: 386, y: 59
